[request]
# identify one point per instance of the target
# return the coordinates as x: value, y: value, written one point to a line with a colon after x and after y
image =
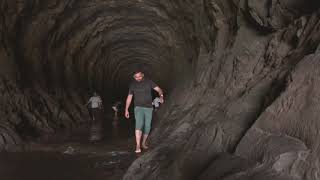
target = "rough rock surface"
x: 241, y: 77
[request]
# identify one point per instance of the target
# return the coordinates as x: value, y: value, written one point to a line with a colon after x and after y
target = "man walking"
x: 95, y: 103
x: 141, y: 89
x: 95, y: 110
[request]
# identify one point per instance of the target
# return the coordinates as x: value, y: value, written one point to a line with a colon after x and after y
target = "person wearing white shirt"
x: 95, y: 107
x: 95, y: 101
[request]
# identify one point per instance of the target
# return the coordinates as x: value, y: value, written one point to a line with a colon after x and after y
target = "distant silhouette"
x: 115, y: 108
x: 115, y: 122
x: 95, y: 110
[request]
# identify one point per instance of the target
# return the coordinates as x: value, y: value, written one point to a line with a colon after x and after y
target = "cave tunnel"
x: 240, y: 81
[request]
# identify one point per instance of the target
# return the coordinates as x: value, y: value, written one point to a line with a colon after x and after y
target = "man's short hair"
x: 136, y: 72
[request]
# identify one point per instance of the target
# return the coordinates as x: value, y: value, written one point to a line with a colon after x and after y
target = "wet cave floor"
x: 71, y: 156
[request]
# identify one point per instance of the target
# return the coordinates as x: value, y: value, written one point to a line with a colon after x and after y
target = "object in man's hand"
x: 115, y: 108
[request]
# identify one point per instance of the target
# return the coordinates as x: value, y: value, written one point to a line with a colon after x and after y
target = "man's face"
x: 138, y: 76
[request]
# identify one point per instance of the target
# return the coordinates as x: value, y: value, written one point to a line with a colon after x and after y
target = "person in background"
x: 94, y: 103
x: 115, y: 108
x: 116, y: 122
x: 95, y: 109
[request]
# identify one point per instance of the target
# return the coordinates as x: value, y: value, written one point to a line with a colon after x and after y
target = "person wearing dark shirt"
x: 141, y: 90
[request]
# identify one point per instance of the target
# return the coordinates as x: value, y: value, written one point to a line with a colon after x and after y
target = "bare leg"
x: 144, y: 140
x: 93, y: 114
x: 138, y: 140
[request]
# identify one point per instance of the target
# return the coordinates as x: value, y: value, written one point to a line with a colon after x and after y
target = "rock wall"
x: 250, y: 111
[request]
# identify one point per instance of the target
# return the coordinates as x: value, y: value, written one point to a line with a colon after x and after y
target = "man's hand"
x: 126, y: 114
x: 159, y: 90
x: 128, y: 102
x: 161, y: 99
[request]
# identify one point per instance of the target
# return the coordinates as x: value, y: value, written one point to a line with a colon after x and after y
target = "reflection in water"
x: 70, y: 155
x: 56, y: 166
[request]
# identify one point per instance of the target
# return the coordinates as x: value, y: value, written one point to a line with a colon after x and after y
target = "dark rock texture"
x: 241, y: 79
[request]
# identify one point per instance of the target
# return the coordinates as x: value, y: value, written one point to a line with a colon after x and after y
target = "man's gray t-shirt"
x: 142, y: 92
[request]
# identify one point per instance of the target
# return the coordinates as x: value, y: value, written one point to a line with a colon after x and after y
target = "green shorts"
x: 143, y: 116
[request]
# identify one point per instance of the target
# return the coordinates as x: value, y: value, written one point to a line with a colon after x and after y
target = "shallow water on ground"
x: 71, y: 157
x: 57, y: 166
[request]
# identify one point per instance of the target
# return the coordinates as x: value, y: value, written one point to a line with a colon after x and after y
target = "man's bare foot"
x: 145, y: 147
x: 138, y: 150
